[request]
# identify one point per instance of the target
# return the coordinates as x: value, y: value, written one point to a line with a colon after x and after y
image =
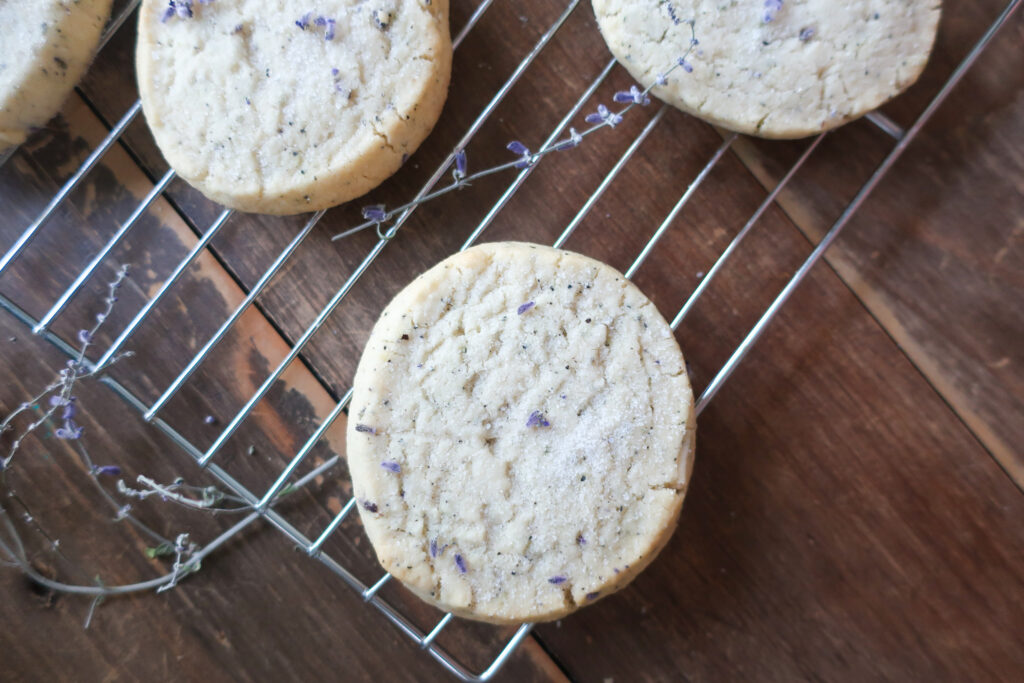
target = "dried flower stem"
x: 187, y: 554
x: 210, y: 496
x: 64, y: 385
x: 378, y: 217
x: 17, y: 554
x: 27, y: 405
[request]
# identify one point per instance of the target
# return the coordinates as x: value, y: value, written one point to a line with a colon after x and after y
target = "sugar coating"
x: 815, y: 65
x: 513, y: 466
x: 264, y: 115
x: 45, y: 47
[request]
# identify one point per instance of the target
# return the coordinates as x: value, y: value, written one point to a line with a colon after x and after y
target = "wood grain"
x: 843, y: 524
x: 298, y: 403
x: 936, y: 253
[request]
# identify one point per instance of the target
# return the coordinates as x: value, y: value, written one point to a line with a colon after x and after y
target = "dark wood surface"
x: 960, y: 178
x: 855, y: 509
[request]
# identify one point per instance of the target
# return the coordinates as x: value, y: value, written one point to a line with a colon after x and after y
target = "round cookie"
x: 775, y: 69
x: 521, y: 433
x: 46, y: 47
x: 288, y: 107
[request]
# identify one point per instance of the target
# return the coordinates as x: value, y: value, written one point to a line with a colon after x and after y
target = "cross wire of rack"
x: 263, y: 504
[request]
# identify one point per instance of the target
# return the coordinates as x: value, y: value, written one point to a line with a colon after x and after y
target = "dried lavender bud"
x: 524, y: 308
x: 771, y: 8
x: 209, y: 419
x: 522, y: 150
x: 365, y: 428
x: 320, y: 21
x: 593, y: 596
x: 303, y: 21
x: 460, y: 164
x: 69, y: 431
x: 460, y: 563
x: 687, y: 67
x: 580, y: 540
x: 556, y: 580
x: 391, y: 466
x: 84, y: 336
x: 111, y: 470
x: 168, y: 13
x: 375, y: 213
x: 634, y: 95
x: 604, y: 115
x: 661, y: 79
x: 806, y: 34
x: 672, y: 15
x: 536, y: 419
x: 183, y: 8
x: 69, y: 410
x: 329, y: 35
x: 369, y: 506
x: 433, y: 547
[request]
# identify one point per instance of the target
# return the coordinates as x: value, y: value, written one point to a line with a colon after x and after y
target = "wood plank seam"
x: 902, y: 344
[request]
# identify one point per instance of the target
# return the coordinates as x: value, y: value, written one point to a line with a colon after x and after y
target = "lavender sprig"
x: 74, y: 370
x: 377, y: 216
x: 209, y: 497
x: 61, y: 403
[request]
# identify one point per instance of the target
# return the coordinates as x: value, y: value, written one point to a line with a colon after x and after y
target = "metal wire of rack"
x: 263, y: 504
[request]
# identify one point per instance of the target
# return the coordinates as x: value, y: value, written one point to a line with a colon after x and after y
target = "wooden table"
x: 856, y: 508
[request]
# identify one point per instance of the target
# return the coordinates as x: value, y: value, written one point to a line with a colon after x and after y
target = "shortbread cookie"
x: 45, y: 46
x: 521, y: 433
x: 773, y: 68
x: 291, y: 106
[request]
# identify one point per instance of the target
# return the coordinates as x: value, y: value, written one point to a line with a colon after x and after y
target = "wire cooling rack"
x: 263, y: 501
